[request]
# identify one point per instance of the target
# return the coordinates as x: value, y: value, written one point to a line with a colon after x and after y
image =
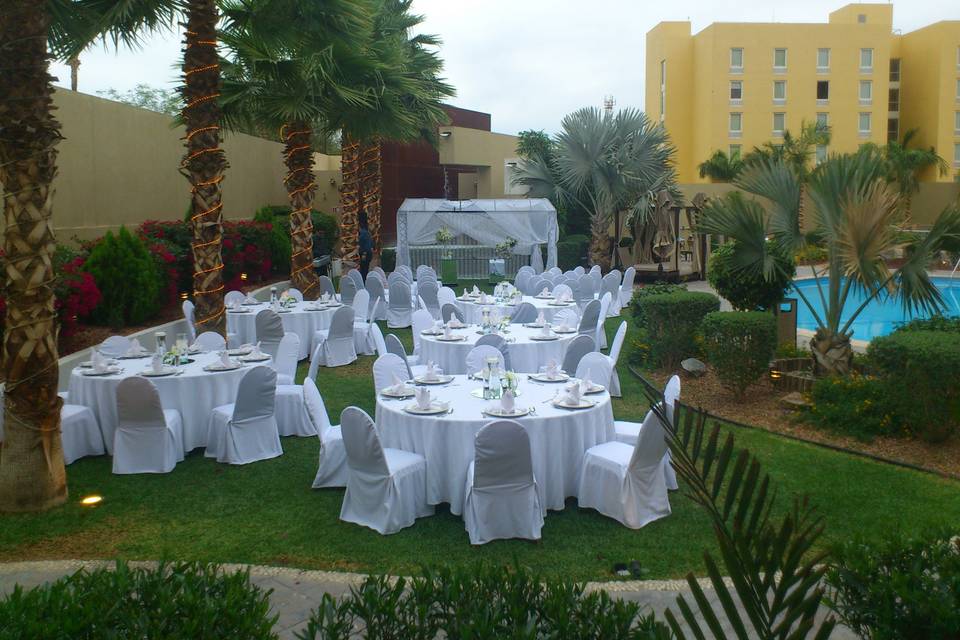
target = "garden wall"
x: 119, y: 165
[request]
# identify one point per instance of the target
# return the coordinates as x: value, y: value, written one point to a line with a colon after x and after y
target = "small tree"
x: 739, y: 344
x: 720, y: 167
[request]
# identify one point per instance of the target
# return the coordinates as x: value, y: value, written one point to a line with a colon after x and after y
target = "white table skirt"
x: 526, y: 355
x: 473, y: 310
x: 558, y: 438
x: 194, y: 393
x: 298, y: 321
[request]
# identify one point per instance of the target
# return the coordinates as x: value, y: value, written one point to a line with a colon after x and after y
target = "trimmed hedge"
x: 854, y: 405
x: 183, y: 600
x: 654, y: 289
x: 748, y: 291
x: 672, y: 321
x: 739, y: 345
x: 127, y: 277
x: 571, y: 251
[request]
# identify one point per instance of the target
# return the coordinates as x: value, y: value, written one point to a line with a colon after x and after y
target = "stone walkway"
x: 297, y: 593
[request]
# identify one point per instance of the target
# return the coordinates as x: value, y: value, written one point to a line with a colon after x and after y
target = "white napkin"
x: 586, y: 383
x: 552, y: 369
x: 432, y: 371
x: 398, y: 386
x: 423, y: 398
x: 135, y: 349
x: 236, y: 305
x: 476, y: 290
x: 465, y: 293
x: 507, y: 401
x: 483, y: 298
x: 225, y: 359
x: 541, y: 319
x: 98, y: 362
x: 545, y: 331
x: 275, y: 306
x: 545, y: 292
x: 255, y: 350
x: 447, y: 331
x: 454, y: 322
x: 251, y: 300
x: 157, y: 363
x: 572, y: 396
x: 325, y: 297
x: 564, y: 326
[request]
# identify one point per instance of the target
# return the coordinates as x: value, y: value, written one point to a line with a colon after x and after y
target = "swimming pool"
x: 882, y: 314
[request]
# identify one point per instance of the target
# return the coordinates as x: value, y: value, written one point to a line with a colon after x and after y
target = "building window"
x: 958, y: 57
x: 894, y: 69
x: 893, y: 102
x: 956, y: 123
x: 663, y: 89
x: 736, y: 124
x: 823, y: 91
x: 735, y: 151
x: 779, y: 59
x: 956, y: 155
x: 736, y: 59
x: 823, y: 59
x: 866, y: 91
x: 893, y: 129
x: 823, y: 120
x: 863, y: 124
x: 736, y: 91
x: 866, y: 59
x: 821, y: 153
x: 958, y: 89
x: 779, y: 91
x: 862, y: 18
x: 778, y: 123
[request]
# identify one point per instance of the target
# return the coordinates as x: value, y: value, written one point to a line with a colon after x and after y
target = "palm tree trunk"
x: 371, y: 189
x: 32, y: 476
x: 832, y: 353
x: 74, y: 73
x: 350, y: 200
x: 204, y: 162
x: 301, y: 187
x: 599, y: 242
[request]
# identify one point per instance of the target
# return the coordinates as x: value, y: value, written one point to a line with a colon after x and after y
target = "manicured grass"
x: 267, y: 513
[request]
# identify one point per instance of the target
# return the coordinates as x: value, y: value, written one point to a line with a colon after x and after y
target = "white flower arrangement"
x: 505, y: 249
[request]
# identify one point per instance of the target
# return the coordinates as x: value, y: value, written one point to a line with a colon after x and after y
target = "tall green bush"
x: 672, y: 321
x: 639, y: 293
x: 571, y: 251
x: 326, y: 230
x: 854, y: 405
x: 748, y: 291
x: 127, y: 277
x: 739, y: 345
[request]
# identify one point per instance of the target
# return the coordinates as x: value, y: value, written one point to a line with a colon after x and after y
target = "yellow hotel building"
x: 733, y: 86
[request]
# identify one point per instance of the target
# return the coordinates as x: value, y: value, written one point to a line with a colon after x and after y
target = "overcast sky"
x: 529, y: 62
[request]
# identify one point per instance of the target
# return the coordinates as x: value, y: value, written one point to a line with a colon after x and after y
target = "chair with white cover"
x: 290, y: 410
x: 422, y: 320
x: 615, y: 348
x: 562, y: 290
x: 446, y: 295
x: 521, y: 280
x: 380, y: 272
x: 628, y: 483
x: 115, y: 346
x: 210, y: 341
x: 589, y: 319
x: 148, y: 438
x: 357, y: 277
x: 501, y: 499
x: 335, y: 347
x: 376, y: 339
x: 399, y: 308
x: 601, y: 336
x: 555, y: 271
x: 478, y: 356
x: 448, y: 311
x: 385, y: 368
x: 579, y: 270
x: 361, y: 321
x: 378, y: 297
x: 538, y: 285
x: 406, y: 271
x: 626, y: 288
x: 568, y: 317
x: 524, y: 313
x: 269, y: 331
x: 597, y: 278
x: 627, y: 432
x: 79, y: 430
x: 611, y: 285
x: 246, y: 430
x: 234, y: 297
x: 326, y: 287
x: 386, y: 488
x: 527, y: 269
x: 188, y: 315
x: 295, y: 293
x: 332, y: 468
x: 348, y: 289
x: 285, y: 362
x: 396, y: 276
x: 428, y: 292
x: 595, y: 366
x: 587, y: 292
x: 501, y: 344
x: 395, y: 347
x: 580, y: 346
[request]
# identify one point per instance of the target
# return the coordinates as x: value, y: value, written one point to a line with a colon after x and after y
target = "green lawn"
x: 266, y: 513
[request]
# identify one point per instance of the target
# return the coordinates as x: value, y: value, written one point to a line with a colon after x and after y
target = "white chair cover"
x: 399, y: 308
x: 580, y: 346
x: 361, y: 323
x: 562, y: 290
x: 115, y: 346
x: 188, y: 315
x: 348, y: 289
x: 501, y: 344
x: 596, y: 366
x: 291, y: 412
x: 385, y: 368
x: 148, y: 439
x: 428, y: 292
x: 628, y: 483
x: 406, y: 271
x: 537, y: 285
x: 246, y: 431
x: 269, y: 331
x: 521, y: 280
x: 395, y: 347
x: 568, y: 316
x: 626, y: 289
x: 579, y: 270
x: 422, y: 320
x: 210, y: 341
x: 614, y: 356
x: 378, y: 306
x: 234, y: 296
x: 79, y: 433
x: 589, y: 319
x: 477, y: 358
x: 296, y: 294
x: 597, y: 278
x: 326, y: 286
x: 611, y: 285
x: 627, y: 432
x: 386, y: 488
x: 601, y: 336
x: 501, y: 498
x: 525, y: 312
x: 357, y: 277
x: 285, y: 364
x: 376, y: 339
x: 555, y: 271
x: 332, y: 468
x: 449, y: 310
x: 335, y: 347
x: 446, y: 295
x: 361, y: 306
x: 585, y: 289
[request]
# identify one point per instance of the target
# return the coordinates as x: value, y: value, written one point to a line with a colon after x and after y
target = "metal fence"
x: 473, y: 260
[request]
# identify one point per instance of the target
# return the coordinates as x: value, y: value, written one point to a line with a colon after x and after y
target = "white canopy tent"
x: 531, y: 221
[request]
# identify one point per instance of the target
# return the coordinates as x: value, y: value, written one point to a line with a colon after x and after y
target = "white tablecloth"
x: 558, y: 438
x: 194, y: 393
x: 526, y: 355
x: 473, y: 310
x: 298, y: 320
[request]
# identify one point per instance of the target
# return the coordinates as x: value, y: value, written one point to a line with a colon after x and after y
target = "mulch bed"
x: 761, y: 408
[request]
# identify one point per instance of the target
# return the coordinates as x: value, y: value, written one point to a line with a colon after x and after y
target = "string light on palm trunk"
x: 305, y: 229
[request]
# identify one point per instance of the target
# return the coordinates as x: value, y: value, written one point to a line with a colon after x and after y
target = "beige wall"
x: 486, y: 151
x: 118, y: 165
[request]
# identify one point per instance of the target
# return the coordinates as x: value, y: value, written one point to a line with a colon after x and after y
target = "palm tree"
x: 720, y: 167
x: 854, y: 211
x: 608, y: 165
x: 905, y: 164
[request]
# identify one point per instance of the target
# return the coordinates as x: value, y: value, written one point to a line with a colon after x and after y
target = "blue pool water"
x: 882, y: 314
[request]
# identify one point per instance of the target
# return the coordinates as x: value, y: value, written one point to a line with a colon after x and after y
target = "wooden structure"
x: 681, y: 252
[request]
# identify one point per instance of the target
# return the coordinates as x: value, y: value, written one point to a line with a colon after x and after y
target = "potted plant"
x: 498, y: 265
x: 448, y: 266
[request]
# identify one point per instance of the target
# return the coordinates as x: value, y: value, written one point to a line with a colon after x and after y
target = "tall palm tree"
x: 905, y: 164
x: 607, y: 165
x: 720, y: 167
x: 854, y: 210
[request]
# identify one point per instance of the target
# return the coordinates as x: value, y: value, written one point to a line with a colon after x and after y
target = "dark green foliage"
x: 854, y: 405
x: 898, y: 588
x: 325, y: 230
x: 672, y: 321
x: 183, y: 600
x: 480, y: 602
x: 934, y: 323
x: 388, y: 260
x: 922, y: 371
x: 638, y: 348
x: 650, y: 290
x: 747, y: 290
x: 572, y: 251
x: 739, y: 344
x: 127, y: 277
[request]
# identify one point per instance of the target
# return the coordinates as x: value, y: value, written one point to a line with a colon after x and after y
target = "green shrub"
x: 388, y: 260
x: 127, y: 277
x: 571, y: 251
x: 672, y: 320
x: 898, y: 588
x: 182, y: 600
x: 325, y: 229
x: 811, y: 254
x: 853, y: 405
x: 739, y: 344
x: 638, y: 348
x: 921, y: 369
x: 480, y: 602
x: 933, y: 323
x: 748, y: 291
x: 639, y: 293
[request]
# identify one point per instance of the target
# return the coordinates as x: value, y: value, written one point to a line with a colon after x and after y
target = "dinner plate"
x: 542, y: 377
x: 443, y: 338
x: 251, y: 304
x: 540, y: 338
x: 109, y: 372
x: 543, y: 297
x: 239, y: 311
x: 165, y: 371
x: 498, y: 412
x: 126, y: 357
x: 435, y: 408
x: 560, y: 304
x: 438, y: 380
x: 261, y: 358
x: 429, y: 332
x: 86, y: 364
x: 334, y: 305
x: 595, y: 388
x: 284, y: 310
x: 240, y: 351
x: 562, y: 403
x: 565, y: 331
x: 216, y: 366
x: 533, y: 325
x: 409, y: 393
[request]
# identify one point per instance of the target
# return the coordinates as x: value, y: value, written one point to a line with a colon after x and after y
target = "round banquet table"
x: 526, y: 354
x: 299, y: 320
x: 473, y: 310
x: 558, y: 437
x: 194, y: 393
